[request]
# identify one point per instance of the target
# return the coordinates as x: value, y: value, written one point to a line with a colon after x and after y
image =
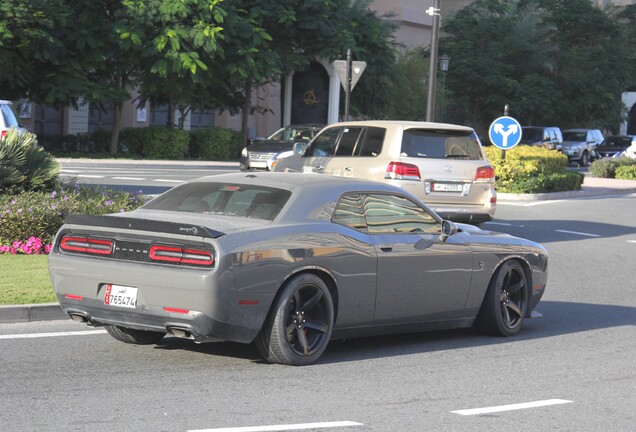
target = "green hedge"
x: 626, y: 172
x: 215, y: 144
x: 41, y: 214
x: 607, y: 167
x: 529, y: 169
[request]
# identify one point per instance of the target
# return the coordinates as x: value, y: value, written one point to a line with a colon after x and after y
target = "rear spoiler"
x: 141, y: 225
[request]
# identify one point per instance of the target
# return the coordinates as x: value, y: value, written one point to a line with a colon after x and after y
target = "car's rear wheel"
x: 300, y: 323
x: 506, y: 301
x: 132, y: 336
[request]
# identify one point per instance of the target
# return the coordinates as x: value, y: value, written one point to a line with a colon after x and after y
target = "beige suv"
x: 444, y: 165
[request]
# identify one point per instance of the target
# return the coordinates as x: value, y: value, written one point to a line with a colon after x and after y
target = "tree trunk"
x: 114, y: 139
x: 247, y: 106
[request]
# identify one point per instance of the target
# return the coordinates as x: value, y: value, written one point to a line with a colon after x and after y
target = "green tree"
x: 501, y: 54
x: 408, y: 96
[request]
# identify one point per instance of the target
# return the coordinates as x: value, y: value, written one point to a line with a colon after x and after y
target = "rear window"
x: 441, y: 144
x: 225, y: 199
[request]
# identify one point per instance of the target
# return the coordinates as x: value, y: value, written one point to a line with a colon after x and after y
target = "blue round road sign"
x: 505, y: 133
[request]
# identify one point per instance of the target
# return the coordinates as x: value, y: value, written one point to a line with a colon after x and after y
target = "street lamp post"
x: 432, y: 71
x: 443, y: 66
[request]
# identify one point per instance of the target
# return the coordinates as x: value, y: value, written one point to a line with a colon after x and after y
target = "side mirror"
x: 299, y: 148
x: 448, y: 229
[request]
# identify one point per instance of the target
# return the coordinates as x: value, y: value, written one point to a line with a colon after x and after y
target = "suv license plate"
x: 447, y: 187
x: 122, y: 296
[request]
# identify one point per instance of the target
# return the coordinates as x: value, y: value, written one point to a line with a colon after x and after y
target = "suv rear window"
x: 223, y: 199
x: 441, y: 144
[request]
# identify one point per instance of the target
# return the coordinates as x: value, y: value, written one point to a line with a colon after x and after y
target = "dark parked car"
x: 261, y: 153
x: 290, y: 261
x: 549, y: 137
x: 615, y: 145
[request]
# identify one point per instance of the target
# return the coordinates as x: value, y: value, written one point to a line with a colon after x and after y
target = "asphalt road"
x: 570, y: 370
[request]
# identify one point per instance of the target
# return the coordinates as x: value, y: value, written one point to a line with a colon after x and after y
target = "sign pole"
x: 348, y: 86
x: 503, y: 152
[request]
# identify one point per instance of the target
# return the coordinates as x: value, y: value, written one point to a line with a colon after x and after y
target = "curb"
x: 31, y: 312
x: 584, y: 193
x: 153, y: 164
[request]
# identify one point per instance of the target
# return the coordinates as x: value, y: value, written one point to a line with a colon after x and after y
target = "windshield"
x: 9, y: 117
x: 531, y: 134
x: 223, y: 199
x: 441, y: 144
x: 294, y: 133
x: 574, y: 136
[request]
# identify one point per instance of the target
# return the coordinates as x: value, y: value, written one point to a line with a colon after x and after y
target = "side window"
x: 324, y: 144
x: 350, y: 213
x: 348, y: 140
x: 396, y: 214
x: 371, y: 144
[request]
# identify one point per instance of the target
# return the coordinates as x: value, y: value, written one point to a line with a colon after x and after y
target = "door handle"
x: 319, y: 168
x: 386, y: 247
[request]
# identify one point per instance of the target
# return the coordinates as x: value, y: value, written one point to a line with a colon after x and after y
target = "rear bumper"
x: 199, y: 326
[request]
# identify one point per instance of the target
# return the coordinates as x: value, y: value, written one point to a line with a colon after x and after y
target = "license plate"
x: 448, y: 187
x: 122, y: 296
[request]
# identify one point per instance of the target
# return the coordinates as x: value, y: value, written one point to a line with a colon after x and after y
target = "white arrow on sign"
x: 499, y: 128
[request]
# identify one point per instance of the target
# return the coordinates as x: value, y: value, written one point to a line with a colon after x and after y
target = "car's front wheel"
x: 300, y: 322
x: 506, y: 301
x: 132, y: 336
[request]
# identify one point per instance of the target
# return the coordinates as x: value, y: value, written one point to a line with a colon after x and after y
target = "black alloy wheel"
x: 506, y: 301
x: 300, y: 324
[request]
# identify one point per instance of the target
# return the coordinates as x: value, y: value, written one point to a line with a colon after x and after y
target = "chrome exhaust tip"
x: 180, y: 332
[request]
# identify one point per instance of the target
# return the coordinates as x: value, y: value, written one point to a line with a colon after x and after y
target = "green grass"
x: 24, y: 279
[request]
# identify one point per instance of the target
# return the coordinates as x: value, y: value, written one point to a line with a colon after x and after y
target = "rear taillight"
x: 179, y: 255
x: 86, y: 245
x: 402, y: 171
x: 485, y: 174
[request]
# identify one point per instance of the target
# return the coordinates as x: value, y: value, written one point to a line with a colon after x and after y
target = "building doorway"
x: 310, y: 95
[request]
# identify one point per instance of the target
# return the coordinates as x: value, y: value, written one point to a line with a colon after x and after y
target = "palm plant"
x: 25, y: 166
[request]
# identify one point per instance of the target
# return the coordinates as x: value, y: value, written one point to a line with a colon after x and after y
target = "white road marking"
x: 283, y: 427
x: 526, y: 203
x: 498, y: 223
x: 631, y: 241
x: 578, y: 233
x: 128, y: 178
x: 512, y: 407
x: 169, y: 181
x: 54, y: 334
x: 89, y: 176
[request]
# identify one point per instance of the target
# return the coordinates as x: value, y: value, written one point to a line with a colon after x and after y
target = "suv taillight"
x: 179, y: 255
x: 86, y: 245
x: 485, y: 174
x: 402, y: 171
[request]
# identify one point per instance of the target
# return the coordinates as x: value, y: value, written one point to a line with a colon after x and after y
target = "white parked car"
x: 8, y: 119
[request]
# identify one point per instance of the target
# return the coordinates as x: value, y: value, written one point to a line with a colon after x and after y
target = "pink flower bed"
x: 33, y: 246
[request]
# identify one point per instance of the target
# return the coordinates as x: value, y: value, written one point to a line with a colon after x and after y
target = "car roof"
x: 292, y: 181
x: 401, y: 124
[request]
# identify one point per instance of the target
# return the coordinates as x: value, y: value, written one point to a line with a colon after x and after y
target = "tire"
x: 132, y: 336
x: 299, y: 324
x: 506, y: 301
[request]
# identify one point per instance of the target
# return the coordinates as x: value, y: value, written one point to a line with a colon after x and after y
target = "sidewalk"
x: 592, y: 186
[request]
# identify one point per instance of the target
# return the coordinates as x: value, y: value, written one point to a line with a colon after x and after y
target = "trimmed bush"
x: 529, y: 169
x: 132, y: 140
x: 215, y: 144
x: 165, y: 143
x: 24, y: 165
x: 626, y: 172
x: 607, y: 167
x: 41, y: 214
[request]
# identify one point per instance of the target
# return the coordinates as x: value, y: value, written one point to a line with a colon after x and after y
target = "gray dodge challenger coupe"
x: 290, y: 261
